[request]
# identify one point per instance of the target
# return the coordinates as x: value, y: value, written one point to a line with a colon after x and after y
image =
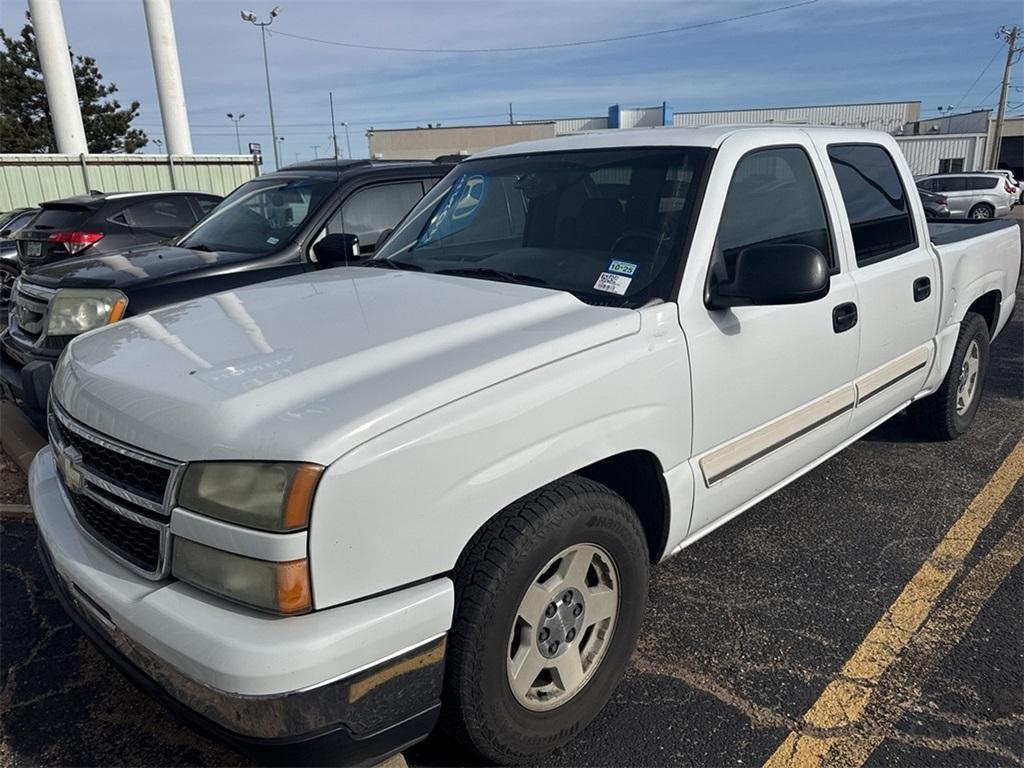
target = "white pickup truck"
x: 315, y: 515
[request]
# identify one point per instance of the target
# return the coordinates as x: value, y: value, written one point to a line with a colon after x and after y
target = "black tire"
x: 501, y: 561
x: 982, y: 211
x: 936, y: 416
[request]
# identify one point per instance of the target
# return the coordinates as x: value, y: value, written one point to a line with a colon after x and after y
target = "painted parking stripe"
x: 857, y: 709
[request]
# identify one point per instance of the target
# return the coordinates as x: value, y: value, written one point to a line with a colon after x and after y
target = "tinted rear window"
x: 875, y: 201
x: 61, y: 218
x: 982, y: 182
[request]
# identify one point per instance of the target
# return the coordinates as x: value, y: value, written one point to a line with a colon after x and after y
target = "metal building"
x: 887, y: 116
x: 944, y: 153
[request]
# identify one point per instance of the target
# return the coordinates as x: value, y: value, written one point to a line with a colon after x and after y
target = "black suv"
x: 102, y: 223
x: 303, y: 217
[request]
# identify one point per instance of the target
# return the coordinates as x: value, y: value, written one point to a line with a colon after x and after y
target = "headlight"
x: 77, y: 310
x: 268, y: 496
x: 278, y: 587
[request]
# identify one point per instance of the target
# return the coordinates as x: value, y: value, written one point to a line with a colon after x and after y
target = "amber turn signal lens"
x: 293, y: 592
x: 300, y: 496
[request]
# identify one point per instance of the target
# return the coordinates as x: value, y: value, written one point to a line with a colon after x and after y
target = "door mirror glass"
x: 775, y: 273
x: 339, y: 249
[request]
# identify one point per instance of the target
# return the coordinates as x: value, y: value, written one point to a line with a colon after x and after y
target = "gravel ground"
x: 12, y: 482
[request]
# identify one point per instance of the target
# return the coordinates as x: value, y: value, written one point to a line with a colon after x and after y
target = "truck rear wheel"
x: 948, y: 412
x: 550, y: 596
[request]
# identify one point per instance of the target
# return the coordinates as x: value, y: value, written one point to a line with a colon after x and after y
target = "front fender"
x: 402, y: 506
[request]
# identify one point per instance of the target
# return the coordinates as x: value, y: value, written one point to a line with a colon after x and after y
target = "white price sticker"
x: 612, y: 283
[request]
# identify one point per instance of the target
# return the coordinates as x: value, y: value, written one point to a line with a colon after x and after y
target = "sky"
x: 830, y: 51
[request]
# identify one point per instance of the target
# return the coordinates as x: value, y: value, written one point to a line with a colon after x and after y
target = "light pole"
x: 251, y: 18
x: 235, y: 120
x: 348, y: 141
x: 315, y: 148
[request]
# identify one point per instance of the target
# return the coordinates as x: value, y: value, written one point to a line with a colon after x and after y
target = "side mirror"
x: 339, y: 249
x: 786, y: 273
x: 5, y: 233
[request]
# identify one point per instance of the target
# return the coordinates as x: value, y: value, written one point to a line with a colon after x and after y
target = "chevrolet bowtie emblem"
x: 69, y: 461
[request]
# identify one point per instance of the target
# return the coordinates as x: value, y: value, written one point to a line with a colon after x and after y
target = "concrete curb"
x: 15, y: 512
x: 18, y: 436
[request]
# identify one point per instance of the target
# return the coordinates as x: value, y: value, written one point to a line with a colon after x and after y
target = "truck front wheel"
x: 948, y: 412
x: 550, y: 596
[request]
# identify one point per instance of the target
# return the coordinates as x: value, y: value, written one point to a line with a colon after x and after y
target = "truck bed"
x: 949, y: 231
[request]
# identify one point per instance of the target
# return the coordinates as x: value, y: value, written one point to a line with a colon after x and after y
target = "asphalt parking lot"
x: 868, y: 614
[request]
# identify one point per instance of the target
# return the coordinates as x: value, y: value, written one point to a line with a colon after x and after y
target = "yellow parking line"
x: 839, y: 729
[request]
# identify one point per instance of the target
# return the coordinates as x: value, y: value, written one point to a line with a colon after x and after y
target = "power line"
x: 548, y: 46
x: 980, y: 75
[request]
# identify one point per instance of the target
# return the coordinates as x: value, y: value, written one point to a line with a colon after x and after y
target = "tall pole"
x: 251, y: 18
x: 1009, y: 34
x: 169, y: 90
x: 348, y: 141
x: 270, y: 97
x: 58, y: 76
x: 334, y: 131
x: 236, y: 121
x: 510, y: 120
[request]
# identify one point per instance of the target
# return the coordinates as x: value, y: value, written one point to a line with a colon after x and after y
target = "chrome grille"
x: 121, y: 496
x: 28, y: 313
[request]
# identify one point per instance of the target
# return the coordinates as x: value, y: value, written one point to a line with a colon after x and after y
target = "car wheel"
x: 949, y: 411
x: 8, y: 274
x: 982, y: 211
x: 550, y: 596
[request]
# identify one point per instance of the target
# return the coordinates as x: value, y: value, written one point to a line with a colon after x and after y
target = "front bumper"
x: 244, y: 659
x: 25, y: 379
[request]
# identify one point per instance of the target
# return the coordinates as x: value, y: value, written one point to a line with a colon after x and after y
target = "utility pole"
x: 1010, y: 35
x: 251, y: 18
x: 316, y: 151
x: 510, y: 120
x: 58, y: 76
x: 169, y: 90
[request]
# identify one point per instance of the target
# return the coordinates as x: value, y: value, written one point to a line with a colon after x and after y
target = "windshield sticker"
x: 622, y: 267
x: 458, y: 209
x: 612, y: 283
x: 272, y: 240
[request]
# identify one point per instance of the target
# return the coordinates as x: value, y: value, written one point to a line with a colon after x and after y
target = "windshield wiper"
x: 393, y: 264
x: 488, y: 272
x: 198, y: 247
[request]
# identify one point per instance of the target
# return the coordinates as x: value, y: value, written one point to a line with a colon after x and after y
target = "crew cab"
x: 314, y: 514
x: 276, y: 225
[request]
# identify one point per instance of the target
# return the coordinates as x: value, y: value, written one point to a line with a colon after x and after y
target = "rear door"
x: 958, y: 197
x: 895, y: 275
x: 772, y: 385
x: 159, y: 218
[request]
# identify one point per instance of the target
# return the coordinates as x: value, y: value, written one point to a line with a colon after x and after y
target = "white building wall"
x: 576, y: 124
x: 644, y: 117
x: 924, y: 153
x: 883, y: 117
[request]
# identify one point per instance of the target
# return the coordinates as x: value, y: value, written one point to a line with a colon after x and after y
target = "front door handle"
x: 922, y: 288
x: 844, y: 317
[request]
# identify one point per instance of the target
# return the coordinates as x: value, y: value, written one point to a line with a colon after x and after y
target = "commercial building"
x: 932, y: 145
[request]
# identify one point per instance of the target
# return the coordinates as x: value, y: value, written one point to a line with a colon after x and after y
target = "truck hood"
x: 308, y: 367
x: 135, y: 266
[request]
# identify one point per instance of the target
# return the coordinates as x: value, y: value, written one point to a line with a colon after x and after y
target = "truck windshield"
x: 605, y: 225
x: 259, y: 217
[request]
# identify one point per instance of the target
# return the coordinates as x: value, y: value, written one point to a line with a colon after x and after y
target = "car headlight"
x: 77, y: 310
x: 270, y: 496
x: 278, y: 587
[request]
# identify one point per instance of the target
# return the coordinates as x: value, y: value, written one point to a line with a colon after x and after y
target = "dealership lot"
x: 746, y: 632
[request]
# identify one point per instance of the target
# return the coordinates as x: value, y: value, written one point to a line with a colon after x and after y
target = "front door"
x: 772, y: 385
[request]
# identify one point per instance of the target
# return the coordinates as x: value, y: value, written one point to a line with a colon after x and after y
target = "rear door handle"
x: 844, y: 317
x: 922, y: 288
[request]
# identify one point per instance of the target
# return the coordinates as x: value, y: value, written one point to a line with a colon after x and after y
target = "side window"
x: 368, y: 212
x: 204, y: 204
x: 951, y: 184
x: 773, y: 198
x: 928, y: 185
x: 982, y: 182
x: 164, y: 214
x: 951, y: 165
x: 875, y: 201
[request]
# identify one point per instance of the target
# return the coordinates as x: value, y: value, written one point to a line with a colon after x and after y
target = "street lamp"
x: 251, y: 18
x: 348, y: 141
x: 235, y: 120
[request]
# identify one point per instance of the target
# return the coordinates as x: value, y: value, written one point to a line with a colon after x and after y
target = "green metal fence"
x: 32, y: 179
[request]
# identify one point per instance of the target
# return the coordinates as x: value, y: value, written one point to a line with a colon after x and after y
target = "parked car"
x: 307, y: 512
x: 974, y: 195
x: 100, y: 223
x: 275, y: 225
x: 935, y: 205
x: 10, y: 268
x: 1018, y: 188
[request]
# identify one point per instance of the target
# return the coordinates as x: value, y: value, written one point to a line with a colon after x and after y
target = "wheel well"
x: 987, y: 306
x: 637, y: 477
